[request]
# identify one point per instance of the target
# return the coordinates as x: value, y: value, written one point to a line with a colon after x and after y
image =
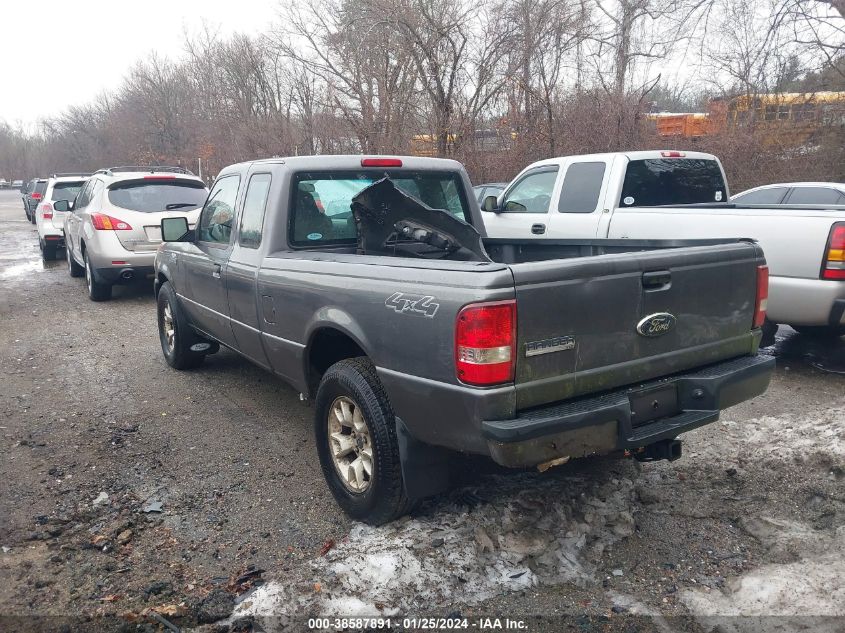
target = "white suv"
x: 48, y: 221
x: 114, y: 225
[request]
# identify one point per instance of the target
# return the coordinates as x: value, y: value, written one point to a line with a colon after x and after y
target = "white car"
x: 48, y: 221
x: 114, y: 227
x: 641, y: 195
x: 809, y: 193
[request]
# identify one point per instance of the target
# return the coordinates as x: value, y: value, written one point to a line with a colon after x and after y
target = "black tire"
x: 73, y: 269
x: 97, y: 290
x: 769, y: 331
x: 820, y: 331
x: 179, y: 355
x: 384, y: 499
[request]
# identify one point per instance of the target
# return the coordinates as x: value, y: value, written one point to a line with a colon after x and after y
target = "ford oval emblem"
x: 656, y: 324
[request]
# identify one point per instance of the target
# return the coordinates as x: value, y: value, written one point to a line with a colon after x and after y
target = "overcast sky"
x: 65, y: 52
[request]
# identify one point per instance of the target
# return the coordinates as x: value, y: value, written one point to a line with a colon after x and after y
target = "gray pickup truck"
x: 368, y: 285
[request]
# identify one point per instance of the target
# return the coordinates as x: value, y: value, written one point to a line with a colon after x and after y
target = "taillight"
x: 103, y: 222
x: 833, y: 264
x: 672, y: 154
x: 46, y: 210
x: 35, y: 195
x: 381, y: 162
x: 485, y: 340
x: 762, y: 301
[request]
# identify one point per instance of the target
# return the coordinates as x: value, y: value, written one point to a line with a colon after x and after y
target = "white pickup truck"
x: 681, y: 195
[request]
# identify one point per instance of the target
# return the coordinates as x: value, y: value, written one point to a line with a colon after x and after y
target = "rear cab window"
x: 658, y: 182
x: 41, y: 187
x: 320, y: 206
x: 153, y: 195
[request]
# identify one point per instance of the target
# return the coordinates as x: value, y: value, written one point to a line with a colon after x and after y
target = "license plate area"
x: 653, y: 403
x: 153, y: 233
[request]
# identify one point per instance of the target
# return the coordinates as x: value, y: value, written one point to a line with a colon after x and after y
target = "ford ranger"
x: 368, y: 285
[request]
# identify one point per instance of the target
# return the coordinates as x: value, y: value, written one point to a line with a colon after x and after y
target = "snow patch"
x: 530, y: 530
x: 783, y: 438
x: 810, y: 586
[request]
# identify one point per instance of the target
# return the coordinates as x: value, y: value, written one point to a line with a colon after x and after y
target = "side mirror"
x: 174, y: 229
x: 61, y: 206
x: 490, y: 204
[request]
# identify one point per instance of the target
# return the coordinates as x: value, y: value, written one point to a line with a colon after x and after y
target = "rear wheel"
x: 74, y: 269
x: 176, y: 336
x: 97, y: 290
x: 356, y: 442
x: 769, y: 331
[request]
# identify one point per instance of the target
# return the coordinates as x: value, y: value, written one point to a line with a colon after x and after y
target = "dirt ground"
x: 134, y: 497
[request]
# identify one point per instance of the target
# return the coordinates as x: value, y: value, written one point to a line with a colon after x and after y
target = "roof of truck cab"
x: 641, y: 155
x: 343, y: 161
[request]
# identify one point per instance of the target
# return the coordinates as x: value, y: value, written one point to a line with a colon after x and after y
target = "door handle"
x: 216, y: 272
x: 538, y: 229
x: 657, y: 280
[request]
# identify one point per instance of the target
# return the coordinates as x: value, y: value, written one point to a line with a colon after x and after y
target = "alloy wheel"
x: 169, y: 327
x: 350, y: 444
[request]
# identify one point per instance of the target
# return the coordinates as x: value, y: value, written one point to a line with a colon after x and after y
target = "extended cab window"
x: 581, y: 188
x: 215, y: 224
x: 658, y: 182
x: 321, y: 212
x: 253, y: 213
x: 533, y: 192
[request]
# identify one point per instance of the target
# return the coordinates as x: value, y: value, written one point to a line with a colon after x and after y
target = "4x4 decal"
x: 412, y: 304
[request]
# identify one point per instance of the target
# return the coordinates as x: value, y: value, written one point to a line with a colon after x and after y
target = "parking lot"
x: 132, y: 489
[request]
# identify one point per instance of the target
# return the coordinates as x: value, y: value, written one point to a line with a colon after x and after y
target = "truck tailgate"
x: 577, y: 319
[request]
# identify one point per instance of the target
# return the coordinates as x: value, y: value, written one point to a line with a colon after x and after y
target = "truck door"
x: 524, y: 205
x: 578, y: 209
x: 204, y: 265
x: 242, y: 270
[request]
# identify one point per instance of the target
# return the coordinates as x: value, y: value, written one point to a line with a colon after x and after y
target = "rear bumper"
x: 125, y: 274
x: 54, y: 240
x: 605, y: 424
x: 805, y: 301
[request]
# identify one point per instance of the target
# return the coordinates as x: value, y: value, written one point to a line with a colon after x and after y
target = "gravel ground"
x: 96, y: 428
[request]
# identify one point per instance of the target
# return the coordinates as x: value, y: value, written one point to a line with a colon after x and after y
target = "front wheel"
x: 355, y: 431
x: 175, y: 334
